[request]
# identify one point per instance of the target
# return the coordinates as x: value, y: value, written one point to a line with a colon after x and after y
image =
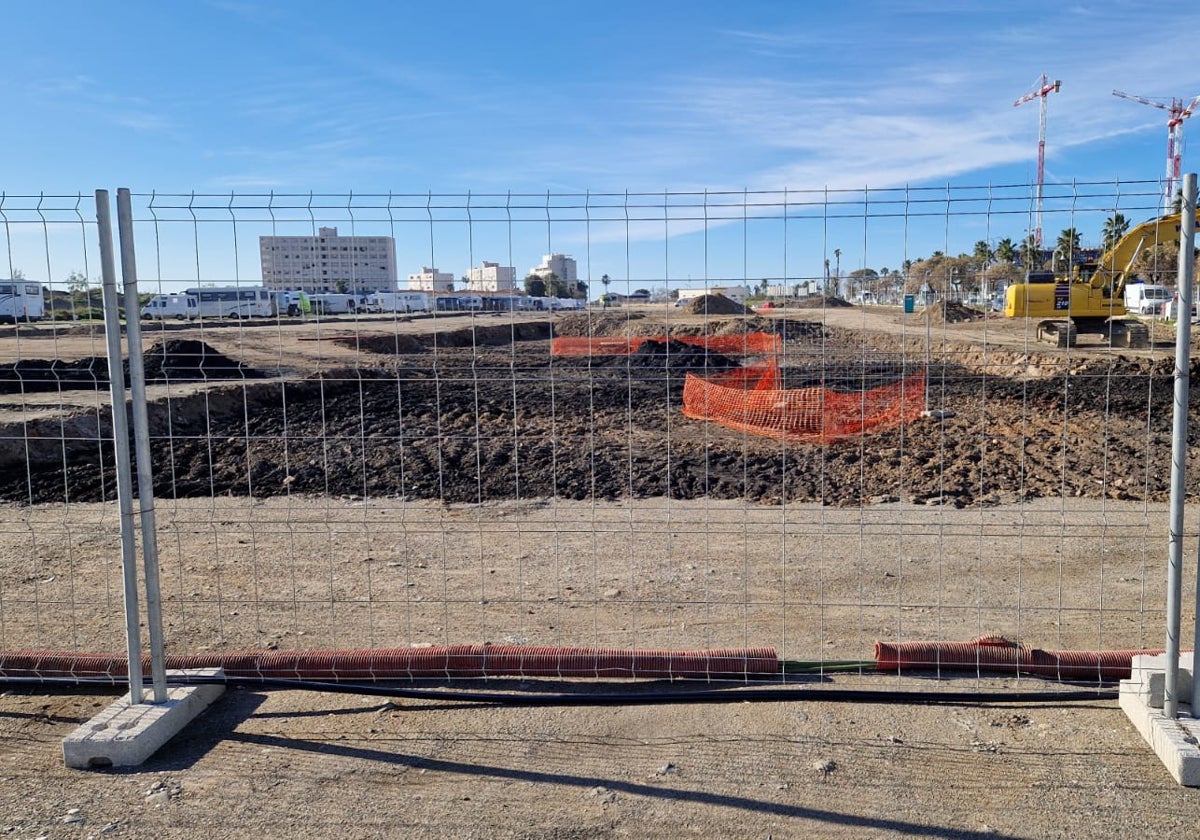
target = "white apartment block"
x: 492, y: 277
x: 560, y: 265
x: 328, y: 262
x: 431, y: 280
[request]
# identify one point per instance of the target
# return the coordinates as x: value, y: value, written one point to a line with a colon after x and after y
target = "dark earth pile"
x: 511, y: 422
x: 820, y: 302
x: 671, y: 357
x: 716, y: 305
x: 594, y: 324
x: 174, y: 360
x: 185, y: 360
x: 953, y: 312
x: 496, y: 335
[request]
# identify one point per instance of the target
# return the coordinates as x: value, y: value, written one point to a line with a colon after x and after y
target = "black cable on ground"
x: 630, y: 698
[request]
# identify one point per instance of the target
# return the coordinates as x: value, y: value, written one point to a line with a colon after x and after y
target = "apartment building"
x: 561, y: 266
x: 431, y: 280
x: 492, y: 277
x: 328, y: 262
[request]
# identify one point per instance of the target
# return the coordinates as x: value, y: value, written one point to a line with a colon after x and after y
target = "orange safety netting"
x: 749, y: 399
x: 748, y: 344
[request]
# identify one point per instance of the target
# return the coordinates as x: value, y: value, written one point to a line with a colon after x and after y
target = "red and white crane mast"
x: 1045, y: 88
x: 1177, y: 112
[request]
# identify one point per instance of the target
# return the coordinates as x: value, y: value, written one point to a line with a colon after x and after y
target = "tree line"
x: 988, y: 269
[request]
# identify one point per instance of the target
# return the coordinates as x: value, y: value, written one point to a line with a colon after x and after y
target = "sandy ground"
x: 815, y: 581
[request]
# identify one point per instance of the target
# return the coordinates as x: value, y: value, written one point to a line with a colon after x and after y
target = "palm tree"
x: 605, y: 279
x: 1006, y: 251
x: 1115, y: 226
x: 1067, y: 246
x: 983, y: 252
x: 1031, y: 253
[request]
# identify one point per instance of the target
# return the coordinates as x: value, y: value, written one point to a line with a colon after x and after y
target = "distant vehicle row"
x: 258, y: 302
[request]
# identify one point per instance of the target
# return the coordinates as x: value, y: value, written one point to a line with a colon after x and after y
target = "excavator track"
x: 1058, y: 333
x: 1132, y: 334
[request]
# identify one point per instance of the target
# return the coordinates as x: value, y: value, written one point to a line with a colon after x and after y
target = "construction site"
x: 459, y: 502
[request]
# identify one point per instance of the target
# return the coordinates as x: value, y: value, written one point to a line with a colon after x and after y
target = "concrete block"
x: 1176, y: 742
x: 125, y: 735
x: 1150, y: 673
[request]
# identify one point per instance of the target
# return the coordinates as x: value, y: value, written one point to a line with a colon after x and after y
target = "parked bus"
x: 21, y: 300
x: 161, y: 307
x: 233, y: 302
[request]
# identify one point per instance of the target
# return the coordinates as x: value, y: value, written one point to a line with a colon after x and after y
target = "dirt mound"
x: 671, y: 356
x: 716, y: 305
x: 187, y: 360
x: 38, y: 375
x: 589, y: 325
x: 493, y: 336
x: 952, y: 312
x: 384, y: 345
x: 821, y: 302
x: 176, y: 360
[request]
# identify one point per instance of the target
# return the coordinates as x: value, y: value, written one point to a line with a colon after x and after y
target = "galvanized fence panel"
x: 388, y: 479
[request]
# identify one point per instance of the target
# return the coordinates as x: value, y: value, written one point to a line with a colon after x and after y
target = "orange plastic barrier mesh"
x: 749, y: 399
x: 748, y: 344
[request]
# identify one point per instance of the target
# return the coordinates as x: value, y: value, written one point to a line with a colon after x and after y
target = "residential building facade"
x: 431, y: 280
x: 492, y: 277
x: 561, y: 266
x: 328, y: 262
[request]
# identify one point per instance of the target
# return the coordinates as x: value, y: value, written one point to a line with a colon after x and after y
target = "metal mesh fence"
x: 384, y: 471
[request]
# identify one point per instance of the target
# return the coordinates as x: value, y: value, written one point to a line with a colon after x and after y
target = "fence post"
x: 1183, y: 339
x: 120, y: 426
x: 141, y: 440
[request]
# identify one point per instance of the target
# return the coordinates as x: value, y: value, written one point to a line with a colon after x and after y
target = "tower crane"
x: 1044, y: 89
x: 1177, y: 112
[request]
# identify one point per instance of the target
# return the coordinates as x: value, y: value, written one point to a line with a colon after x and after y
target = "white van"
x: 1146, y: 299
x: 177, y: 306
x: 334, y: 303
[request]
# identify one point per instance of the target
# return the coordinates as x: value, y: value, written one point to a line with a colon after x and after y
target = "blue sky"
x: 242, y: 98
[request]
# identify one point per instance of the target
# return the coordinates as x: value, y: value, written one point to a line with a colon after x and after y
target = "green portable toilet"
x: 910, y: 303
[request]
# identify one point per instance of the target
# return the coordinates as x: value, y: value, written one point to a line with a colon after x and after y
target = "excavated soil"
x: 820, y: 302
x: 952, y: 312
x: 716, y: 305
x: 492, y: 416
x: 173, y: 360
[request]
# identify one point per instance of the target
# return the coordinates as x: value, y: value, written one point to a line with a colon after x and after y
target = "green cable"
x: 800, y: 666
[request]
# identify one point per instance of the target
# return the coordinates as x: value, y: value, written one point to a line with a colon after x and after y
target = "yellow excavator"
x: 1091, y: 299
